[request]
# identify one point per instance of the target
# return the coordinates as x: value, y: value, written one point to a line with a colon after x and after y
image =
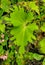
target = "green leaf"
x: 43, y: 0
x: 37, y: 56
x: 16, y: 17
x: 43, y: 27
x: 42, y: 45
x: 10, y: 55
x: 23, y: 34
x: 19, y: 16
x: 1, y: 50
x: 6, y: 36
x: 30, y: 16
x: 43, y: 62
x: 31, y: 56
x: 2, y: 27
x: 21, y: 31
x: 4, y: 43
x: 34, y: 7
x: 21, y: 50
x: 5, y: 4
x: 0, y: 21
x: 13, y: 1
x: 1, y: 12
x: 20, y: 60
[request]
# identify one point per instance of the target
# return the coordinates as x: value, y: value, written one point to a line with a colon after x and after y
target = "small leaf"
x: 43, y: 27
x: 43, y: 0
x: 43, y: 62
x: 42, y: 45
x: 21, y: 50
x: 31, y: 56
x: 37, y: 56
x: 1, y: 50
x: 34, y: 7
x: 30, y: 16
x: 2, y: 27
x: 5, y: 4
x: 1, y: 12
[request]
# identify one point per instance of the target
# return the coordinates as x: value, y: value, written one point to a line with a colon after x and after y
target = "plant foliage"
x: 22, y: 31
